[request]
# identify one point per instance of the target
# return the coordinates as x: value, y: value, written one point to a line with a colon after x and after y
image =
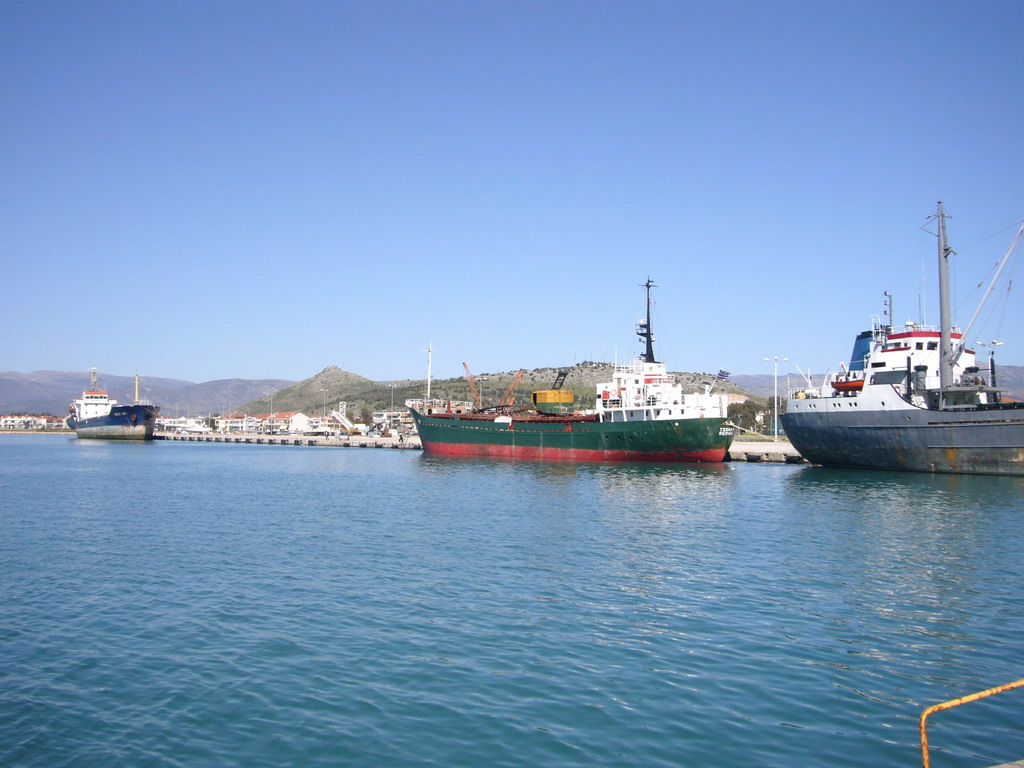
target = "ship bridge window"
x: 920, y: 345
x: 933, y: 345
x: 889, y: 377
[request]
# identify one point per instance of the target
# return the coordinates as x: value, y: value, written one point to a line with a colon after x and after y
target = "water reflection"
x: 907, y: 490
x: 458, y: 465
x: 638, y: 499
x: 917, y: 553
x: 620, y: 474
x: 639, y: 514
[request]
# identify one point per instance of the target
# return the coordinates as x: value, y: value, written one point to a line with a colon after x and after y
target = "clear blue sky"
x: 205, y: 190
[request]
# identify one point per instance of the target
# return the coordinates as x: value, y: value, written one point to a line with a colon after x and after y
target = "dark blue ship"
x: 96, y: 415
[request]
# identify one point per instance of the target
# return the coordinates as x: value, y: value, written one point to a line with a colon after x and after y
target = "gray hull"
x: 988, y: 441
x: 114, y: 432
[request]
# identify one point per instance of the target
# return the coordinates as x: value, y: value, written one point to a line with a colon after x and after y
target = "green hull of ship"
x: 693, y: 440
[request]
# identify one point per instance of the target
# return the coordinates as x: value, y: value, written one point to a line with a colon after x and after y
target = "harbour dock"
x: 345, y: 441
x: 767, y: 452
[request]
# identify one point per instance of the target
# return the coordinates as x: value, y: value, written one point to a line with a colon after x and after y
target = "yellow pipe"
x: 956, y: 703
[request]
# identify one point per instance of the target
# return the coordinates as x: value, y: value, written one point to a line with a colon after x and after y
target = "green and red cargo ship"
x: 641, y: 415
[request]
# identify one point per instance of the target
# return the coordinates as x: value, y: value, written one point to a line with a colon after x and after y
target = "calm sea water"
x: 183, y: 604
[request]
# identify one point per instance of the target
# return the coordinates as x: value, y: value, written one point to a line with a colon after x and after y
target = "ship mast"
x: 946, y: 329
x: 136, y: 387
x: 430, y: 361
x: 644, y: 330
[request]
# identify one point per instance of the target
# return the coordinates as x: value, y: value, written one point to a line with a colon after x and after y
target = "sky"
x: 210, y: 190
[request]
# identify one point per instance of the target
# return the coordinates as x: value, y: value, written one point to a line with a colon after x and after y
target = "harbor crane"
x: 509, y: 396
x: 472, y: 387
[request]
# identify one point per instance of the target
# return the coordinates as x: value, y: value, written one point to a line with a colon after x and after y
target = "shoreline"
x: 750, y: 451
x: 753, y: 451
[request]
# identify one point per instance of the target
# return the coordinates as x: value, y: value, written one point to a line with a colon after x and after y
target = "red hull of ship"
x: 571, y: 454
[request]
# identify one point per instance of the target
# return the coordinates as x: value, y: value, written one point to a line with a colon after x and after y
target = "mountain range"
x: 52, y: 391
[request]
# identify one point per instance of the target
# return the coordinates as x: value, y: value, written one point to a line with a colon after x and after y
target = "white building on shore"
x: 183, y: 424
x: 279, y: 422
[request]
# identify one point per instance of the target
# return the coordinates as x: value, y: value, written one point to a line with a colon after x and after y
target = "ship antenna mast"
x: 946, y: 324
x: 644, y: 331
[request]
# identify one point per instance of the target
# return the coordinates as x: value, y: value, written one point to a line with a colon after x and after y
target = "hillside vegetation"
x: 51, y: 391
x: 332, y: 384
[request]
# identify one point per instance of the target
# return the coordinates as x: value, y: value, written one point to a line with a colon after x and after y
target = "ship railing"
x: 881, y: 331
x: 638, y: 367
x: 804, y: 393
x: 926, y: 762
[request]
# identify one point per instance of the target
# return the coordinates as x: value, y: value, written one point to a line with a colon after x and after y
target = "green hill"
x: 332, y: 384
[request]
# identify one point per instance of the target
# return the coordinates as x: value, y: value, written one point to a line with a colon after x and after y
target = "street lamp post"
x: 775, y: 359
x: 392, y: 422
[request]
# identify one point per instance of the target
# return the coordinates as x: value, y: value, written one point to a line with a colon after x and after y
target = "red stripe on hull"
x: 713, y: 455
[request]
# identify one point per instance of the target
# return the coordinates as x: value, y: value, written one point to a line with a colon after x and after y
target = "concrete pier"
x: 768, y: 451
x: 350, y: 441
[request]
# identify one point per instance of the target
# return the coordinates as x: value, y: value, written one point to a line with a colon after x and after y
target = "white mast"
x: 430, y: 360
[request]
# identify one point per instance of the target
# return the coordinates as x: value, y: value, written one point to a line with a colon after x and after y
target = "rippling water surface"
x: 230, y: 605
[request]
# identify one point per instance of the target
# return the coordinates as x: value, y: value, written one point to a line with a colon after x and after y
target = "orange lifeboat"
x: 848, y: 385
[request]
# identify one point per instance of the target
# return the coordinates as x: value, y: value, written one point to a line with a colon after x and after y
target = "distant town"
x: 336, y: 422
x: 278, y: 423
